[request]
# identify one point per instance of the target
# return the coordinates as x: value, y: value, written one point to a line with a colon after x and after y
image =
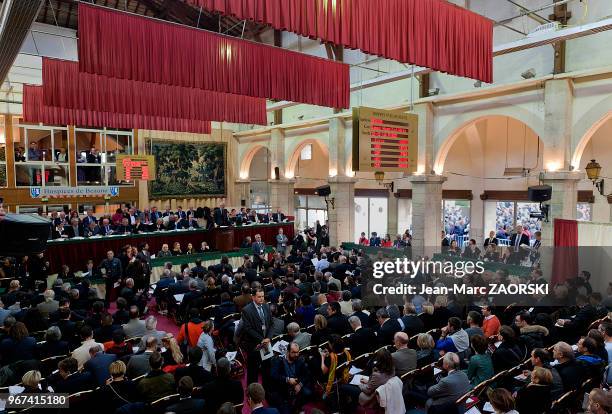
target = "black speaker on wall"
x: 23, y: 234
x: 276, y: 173
x: 540, y: 193
x: 323, y: 191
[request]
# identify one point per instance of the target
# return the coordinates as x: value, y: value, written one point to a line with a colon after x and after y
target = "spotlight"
x: 528, y: 74
x: 433, y: 92
x: 478, y: 84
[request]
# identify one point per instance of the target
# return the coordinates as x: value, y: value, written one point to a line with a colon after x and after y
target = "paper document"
x: 357, y: 379
x: 179, y: 297
x: 437, y: 371
x: 265, y: 352
x: 355, y: 371
x: 488, y: 407
x: 280, y: 347
x: 231, y: 356
x: 473, y: 410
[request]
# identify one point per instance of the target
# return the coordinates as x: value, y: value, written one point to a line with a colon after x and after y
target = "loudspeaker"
x: 540, y: 193
x: 323, y: 191
x: 23, y: 234
x: 243, y: 203
x: 276, y: 173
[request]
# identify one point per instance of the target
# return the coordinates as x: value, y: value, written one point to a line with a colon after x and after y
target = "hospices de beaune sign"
x: 86, y: 191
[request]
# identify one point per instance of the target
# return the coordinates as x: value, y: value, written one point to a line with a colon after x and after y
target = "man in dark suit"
x: 336, y: 321
x: 186, y: 405
x: 221, y: 216
x: 491, y: 239
x: 98, y: 364
x: 89, y: 218
x: 365, y: 319
x: 106, y: 229
x: 375, y: 240
x: 278, y: 217
x: 74, y: 230
x: 388, y: 327
x: 573, y: 328
x: 519, y: 244
x: 259, y: 250
x: 124, y: 227
x: 91, y: 230
x: 69, y: 379
x: 444, y: 243
x: 223, y: 388
x: 263, y: 218
x: 256, y: 332
x: 363, y: 340
x: 519, y: 239
x: 193, y: 370
x: 290, y: 375
x: 255, y: 397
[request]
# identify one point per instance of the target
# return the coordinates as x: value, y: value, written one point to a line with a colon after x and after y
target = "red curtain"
x: 125, y: 46
x: 35, y: 111
x: 431, y: 33
x: 565, y: 258
x: 65, y: 86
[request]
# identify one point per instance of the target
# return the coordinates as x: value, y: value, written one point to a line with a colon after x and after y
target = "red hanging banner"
x: 431, y: 33
x: 127, y: 46
x: 66, y: 87
x: 35, y: 111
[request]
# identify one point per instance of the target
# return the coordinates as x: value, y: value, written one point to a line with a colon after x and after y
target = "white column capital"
x: 340, y: 179
x: 426, y: 179
x: 562, y: 176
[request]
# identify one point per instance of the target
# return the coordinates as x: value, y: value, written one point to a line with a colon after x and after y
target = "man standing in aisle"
x: 259, y: 250
x: 255, y: 333
x: 111, y: 272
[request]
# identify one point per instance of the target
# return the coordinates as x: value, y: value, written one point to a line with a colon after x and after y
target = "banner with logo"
x: 85, y: 191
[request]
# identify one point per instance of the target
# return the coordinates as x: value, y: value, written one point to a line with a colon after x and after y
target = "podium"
x: 224, y: 239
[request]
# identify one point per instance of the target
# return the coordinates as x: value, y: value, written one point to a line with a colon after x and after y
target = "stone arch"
x: 247, y: 158
x: 595, y: 119
x: 292, y: 161
x: 447, y: 137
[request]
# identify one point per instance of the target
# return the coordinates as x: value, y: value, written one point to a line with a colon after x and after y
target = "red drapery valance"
x: 126, y: 46
x: 65, y: 86
x: 431, y: 33
x: 34, y: 110
x: 565, y: 255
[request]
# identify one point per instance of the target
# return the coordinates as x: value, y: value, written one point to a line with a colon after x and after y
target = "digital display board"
x: 135, y: 167
x: 384, y: 140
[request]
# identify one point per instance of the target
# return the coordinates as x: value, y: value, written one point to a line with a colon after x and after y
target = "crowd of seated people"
x: 423, y: 354
x: 130, y: 220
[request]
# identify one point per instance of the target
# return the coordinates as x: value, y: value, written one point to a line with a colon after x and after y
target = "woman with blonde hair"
x: 535, y: 397
x: 321, y: 331
x: 425, y: 351
x: 172, y: 355
x: 118, y: 390
x: 31, y: 382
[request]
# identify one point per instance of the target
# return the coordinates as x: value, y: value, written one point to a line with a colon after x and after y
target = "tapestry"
x: 188, y: 169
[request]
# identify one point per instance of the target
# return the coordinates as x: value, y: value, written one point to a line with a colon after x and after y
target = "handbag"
x: 184, y: 345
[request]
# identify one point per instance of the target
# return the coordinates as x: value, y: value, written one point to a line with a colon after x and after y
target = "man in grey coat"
x: 135, y: 327
x: 451, y: 387
x: 404, y: 359
x: 139, y: 364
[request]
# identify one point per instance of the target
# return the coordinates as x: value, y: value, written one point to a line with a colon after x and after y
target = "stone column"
x: 242, y: 190
x: 563, y: 200
x: 337, y: 148
x: 341, y: 216
x: 426, y: 213
x: 600, y: 210
x: 282, y: 196
x: 557, y: 137
x: 277, y: 152
x: 392, y: 218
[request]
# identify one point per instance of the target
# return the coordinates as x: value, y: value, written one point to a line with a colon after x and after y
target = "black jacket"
x: 252, y: 333
x: 387, y: 331
x: 363, y: 341
x: 279, y: 374
x: 338, y: 324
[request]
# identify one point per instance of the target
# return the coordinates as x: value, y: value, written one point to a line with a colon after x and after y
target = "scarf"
x: 332, y: 371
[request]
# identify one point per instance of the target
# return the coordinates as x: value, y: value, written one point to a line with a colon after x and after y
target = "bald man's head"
x: 400, y: 340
